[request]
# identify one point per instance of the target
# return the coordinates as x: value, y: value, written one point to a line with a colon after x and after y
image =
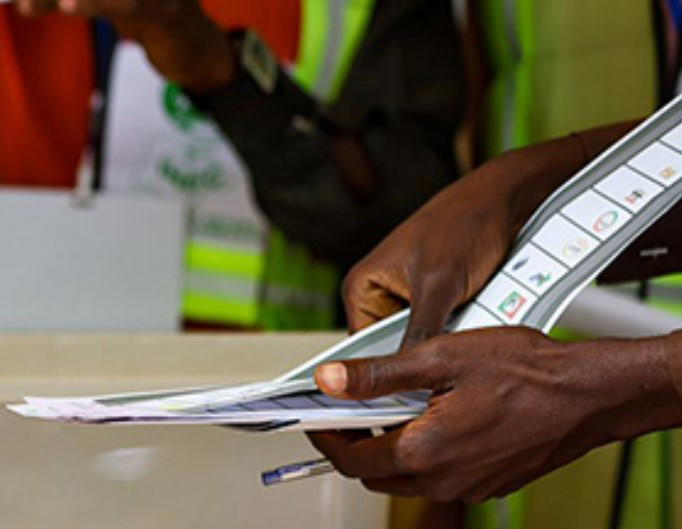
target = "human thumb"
x: 370, y: 378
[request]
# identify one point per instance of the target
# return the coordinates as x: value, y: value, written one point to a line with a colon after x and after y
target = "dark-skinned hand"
x: 437, y: 259
x: 509, y: 405
x: 442, y: 255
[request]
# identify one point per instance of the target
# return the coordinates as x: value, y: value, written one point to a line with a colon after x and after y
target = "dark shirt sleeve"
x: 674, y: 357
x: 302, y: 169
x: 339, y: 179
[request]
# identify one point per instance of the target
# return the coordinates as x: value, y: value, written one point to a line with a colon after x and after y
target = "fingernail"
x: 333, y: 377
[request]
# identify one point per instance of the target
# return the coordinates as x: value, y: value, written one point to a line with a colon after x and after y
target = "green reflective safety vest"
x: 559, y: 67
x: 225, y: 232
x: 157, y: 143
x: 279, y: 285
x: 223, y: 283
x: 331, y: 31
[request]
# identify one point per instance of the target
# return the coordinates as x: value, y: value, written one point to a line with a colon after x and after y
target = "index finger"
x: 368, y: 458
x: 370, y: 296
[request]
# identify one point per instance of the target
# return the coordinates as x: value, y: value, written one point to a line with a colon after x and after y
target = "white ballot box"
x: 55, y: 476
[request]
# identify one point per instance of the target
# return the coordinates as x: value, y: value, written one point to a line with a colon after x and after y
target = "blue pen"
x: 296, y: 471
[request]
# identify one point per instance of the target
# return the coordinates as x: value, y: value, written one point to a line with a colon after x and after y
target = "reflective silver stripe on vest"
x: 332, y: 53
x: 226, y: 286
x: 509, y: 111
x: 283, y: 295
x: 460, y: 10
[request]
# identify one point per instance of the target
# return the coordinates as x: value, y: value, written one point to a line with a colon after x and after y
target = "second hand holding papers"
x: 572, y: 237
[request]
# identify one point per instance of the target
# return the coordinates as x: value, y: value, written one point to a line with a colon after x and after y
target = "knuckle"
x: 412, y: 455
x: 372, y: 377
x: 444, y: 283
x: 376, y: 377
x: 438, y: 347
x: 353, y: 280
x: 434, y: 355
x: 434, y: 281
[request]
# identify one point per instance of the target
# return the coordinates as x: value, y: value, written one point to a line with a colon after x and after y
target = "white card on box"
x: 115, y: 265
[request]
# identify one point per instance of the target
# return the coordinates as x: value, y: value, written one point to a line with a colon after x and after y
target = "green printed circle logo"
x: 193, y: 170
x: 180, y: 109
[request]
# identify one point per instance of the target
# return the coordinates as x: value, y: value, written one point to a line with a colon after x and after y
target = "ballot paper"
x: 309, y: 409
x: 572, y: 237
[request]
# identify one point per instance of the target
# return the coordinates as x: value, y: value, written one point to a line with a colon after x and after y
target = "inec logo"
x: 180, y: 109
x: 191, y: 171
x: 193, y: 163
x: 189, y: 174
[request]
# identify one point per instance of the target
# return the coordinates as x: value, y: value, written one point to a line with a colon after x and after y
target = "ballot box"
x: 57, y: 476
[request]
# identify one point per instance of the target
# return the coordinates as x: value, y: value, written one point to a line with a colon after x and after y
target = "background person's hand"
x: 182, y: 42
x: 509, y: 405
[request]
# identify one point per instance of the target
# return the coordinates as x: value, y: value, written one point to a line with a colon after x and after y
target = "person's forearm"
x: 184, y: 44
x: 655, y: 403
x: 339, y: 194
x: 193, y: 57
x: 673, y: 350
x: 635, y: 385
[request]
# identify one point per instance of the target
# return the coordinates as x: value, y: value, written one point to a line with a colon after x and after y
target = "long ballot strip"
x: 571, y: 238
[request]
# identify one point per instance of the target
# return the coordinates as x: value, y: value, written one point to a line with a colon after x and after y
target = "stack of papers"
x: 297, y: 410
x: 289, y: 402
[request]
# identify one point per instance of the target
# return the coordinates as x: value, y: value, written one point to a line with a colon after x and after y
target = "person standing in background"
x: 352, y: 150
